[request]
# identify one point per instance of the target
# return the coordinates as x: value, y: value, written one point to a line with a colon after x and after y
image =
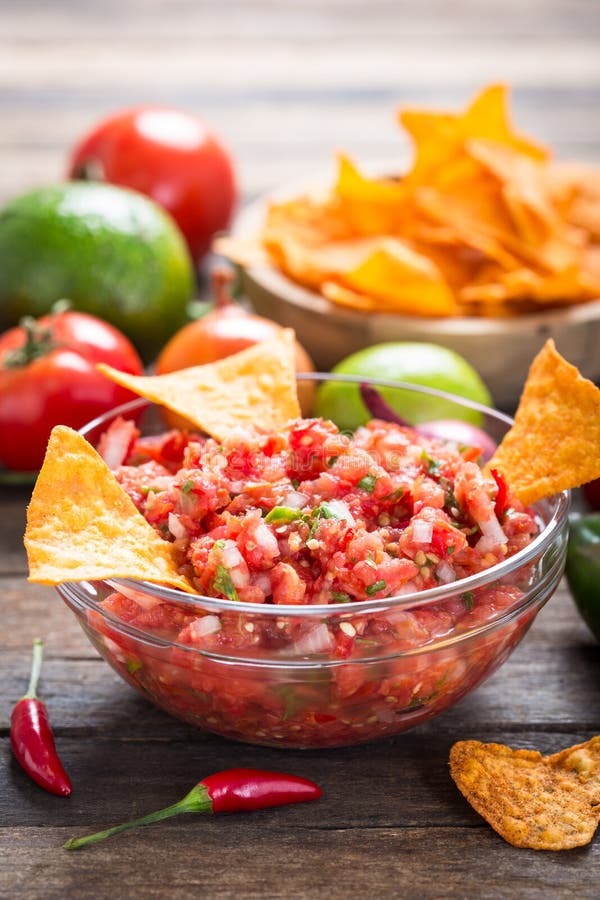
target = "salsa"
x: 310, y: 517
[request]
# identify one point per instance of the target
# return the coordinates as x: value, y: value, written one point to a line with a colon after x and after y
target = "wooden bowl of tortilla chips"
x: 485, y: 245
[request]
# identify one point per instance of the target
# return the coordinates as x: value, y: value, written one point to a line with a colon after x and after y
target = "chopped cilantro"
x: 219, y: 545
x: 292, y: 700
x: 133, y: 665
x: 326, y: 512
x: 449, y: 498
x: 295, y: 483
x: 375, y: 587
x: 395, y: 495
x: 433, y: 465
x: 283, y: 514
x: 450, y: 550
x: 368, y: 482
x: 339, y: 597
x: 468, y: 597
x: 332, y: 461
x: 224, y: 585
x: 187, y: 486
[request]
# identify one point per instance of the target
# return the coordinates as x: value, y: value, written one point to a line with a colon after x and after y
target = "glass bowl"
x: 290, y: 680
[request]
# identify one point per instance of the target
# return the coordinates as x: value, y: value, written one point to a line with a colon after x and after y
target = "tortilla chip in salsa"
x: 81, y: 524
x: 254, y: 388
x: 554, y: 443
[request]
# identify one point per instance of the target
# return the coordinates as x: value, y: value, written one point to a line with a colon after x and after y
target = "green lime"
x: 111, y: 252
x: 417, y: 363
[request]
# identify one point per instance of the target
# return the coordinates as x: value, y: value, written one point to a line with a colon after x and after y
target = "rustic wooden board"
x: 261, y: 859
x: 289, y: 83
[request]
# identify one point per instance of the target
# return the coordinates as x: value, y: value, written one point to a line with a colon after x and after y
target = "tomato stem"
x: 221, y: 281
x: 89, y: 170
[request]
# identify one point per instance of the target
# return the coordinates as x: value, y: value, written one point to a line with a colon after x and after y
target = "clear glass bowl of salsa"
x: 312, y: 674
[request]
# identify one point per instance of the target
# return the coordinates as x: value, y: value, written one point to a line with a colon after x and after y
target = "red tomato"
x: 48, y: 376
x: 172, y: 157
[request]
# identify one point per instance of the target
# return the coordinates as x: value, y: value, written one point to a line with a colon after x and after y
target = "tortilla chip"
x: 554, y: 444
x: 255, y: 388
x: 313, y: 265
x: 534, y: 801
x: 575, y: 188
x: 333, y: 291
x: 403, y: 281
x: 370, y: 205
x: 440, y: 137
x: 242, y: 251
x: 82, y: 526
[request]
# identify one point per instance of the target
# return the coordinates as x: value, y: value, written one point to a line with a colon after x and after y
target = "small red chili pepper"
x: 31, y: 737
x: 502, y: 495
x: 234, y: 790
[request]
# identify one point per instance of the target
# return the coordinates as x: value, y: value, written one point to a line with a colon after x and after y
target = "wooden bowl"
x: 501, y: 350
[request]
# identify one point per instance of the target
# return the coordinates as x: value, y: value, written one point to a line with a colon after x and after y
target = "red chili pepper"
x: 234, y: 790
x: 31, y: 737
x: 502, y: 495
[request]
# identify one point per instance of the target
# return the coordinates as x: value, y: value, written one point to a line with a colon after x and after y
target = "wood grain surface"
x: 286, y: 82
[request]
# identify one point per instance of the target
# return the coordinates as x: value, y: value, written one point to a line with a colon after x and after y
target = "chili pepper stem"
x: 197, y: 801
x: 36, y: 668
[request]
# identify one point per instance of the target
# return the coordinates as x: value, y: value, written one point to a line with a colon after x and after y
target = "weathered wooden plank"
x: 303, y: 124
x: 401, y: 780
x: 13, y: 503
x: 274, y: 855
x: 305, y: 66
x: 302, y: 18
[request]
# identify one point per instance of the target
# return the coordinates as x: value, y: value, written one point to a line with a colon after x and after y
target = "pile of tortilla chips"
x: 483, y: 224
x: 81, y: 524
x: 535, y: 801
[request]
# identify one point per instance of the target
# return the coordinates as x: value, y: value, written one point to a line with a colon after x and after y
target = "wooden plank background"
x: 286, y: 83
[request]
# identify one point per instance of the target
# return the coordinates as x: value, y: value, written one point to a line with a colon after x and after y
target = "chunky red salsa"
x: 303, y: 517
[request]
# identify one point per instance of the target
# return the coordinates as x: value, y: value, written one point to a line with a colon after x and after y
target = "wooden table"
x: 285, y: 83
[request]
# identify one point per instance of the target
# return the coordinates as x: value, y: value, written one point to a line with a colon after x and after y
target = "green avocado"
x: 111, y: 252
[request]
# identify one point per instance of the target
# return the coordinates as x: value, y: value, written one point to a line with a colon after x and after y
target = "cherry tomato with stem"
x: 48, y: 377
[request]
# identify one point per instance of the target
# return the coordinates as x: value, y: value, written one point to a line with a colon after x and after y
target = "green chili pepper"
x: 583, y: 568
x: 283, y: 514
